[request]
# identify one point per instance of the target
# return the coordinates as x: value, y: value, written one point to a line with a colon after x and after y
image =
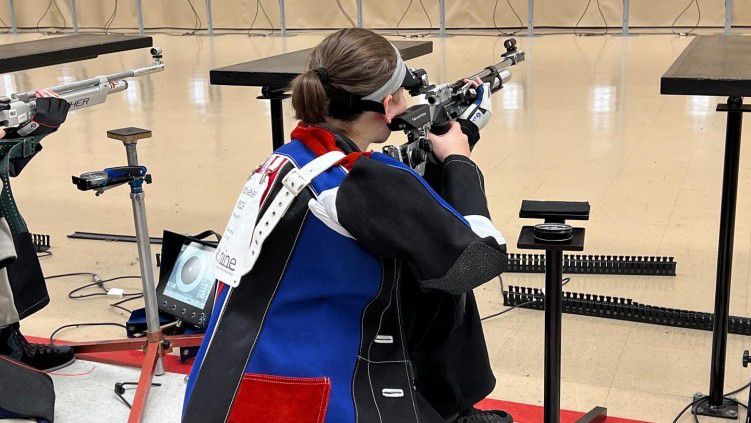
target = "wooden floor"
x: 582, y: 119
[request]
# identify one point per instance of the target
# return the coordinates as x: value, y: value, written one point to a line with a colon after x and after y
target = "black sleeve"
x: 392, y: 213
x: 464, y: 186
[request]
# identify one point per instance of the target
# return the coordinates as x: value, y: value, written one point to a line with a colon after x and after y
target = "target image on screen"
x: 192, y: 278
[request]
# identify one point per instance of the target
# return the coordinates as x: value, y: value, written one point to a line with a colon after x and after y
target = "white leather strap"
x: 293, y: 183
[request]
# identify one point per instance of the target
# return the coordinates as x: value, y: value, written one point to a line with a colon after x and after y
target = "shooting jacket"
x: 24, y: 274
x: 359, y: 311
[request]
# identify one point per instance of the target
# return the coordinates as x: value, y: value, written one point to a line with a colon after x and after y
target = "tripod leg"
x: 153, y: 353
x: 147, y: 273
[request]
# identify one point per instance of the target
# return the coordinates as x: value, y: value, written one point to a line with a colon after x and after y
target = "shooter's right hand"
x: 452, y: 142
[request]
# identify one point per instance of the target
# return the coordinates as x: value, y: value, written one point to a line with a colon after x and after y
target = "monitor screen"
x: 192, y: 277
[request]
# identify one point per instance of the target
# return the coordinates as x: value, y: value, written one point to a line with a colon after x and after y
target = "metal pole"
x: 442, y: 17
x: 625, y: 16
x: 74, y: 10
x: 144, y: 254
x: 359, y: 13
x: 209, y: 17
x: 531, y: 18
x: 140, y: 17
x: 728, y: 16
x: 282, y: 18
x: 725, y: 250
x: 553, y: 320
x: 13, y: 26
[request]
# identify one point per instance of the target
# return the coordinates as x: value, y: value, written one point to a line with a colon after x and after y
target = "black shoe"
x: 39, y: 356
x: 474, y: 415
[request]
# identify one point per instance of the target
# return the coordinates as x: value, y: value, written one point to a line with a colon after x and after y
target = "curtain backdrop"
x: 311, y: 14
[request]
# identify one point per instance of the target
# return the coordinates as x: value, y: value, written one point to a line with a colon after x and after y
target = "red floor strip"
x: 523, y: 413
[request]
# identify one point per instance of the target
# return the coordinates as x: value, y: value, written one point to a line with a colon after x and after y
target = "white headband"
x: 393, y: 84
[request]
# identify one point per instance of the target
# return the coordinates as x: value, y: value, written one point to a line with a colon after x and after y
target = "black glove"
x: 50, y: 114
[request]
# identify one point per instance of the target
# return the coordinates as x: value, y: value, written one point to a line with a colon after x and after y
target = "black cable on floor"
x: 430, y: 22
x: 698, y: 19
x: 563, y: 283
x: 695, y: 404
x: 65, y: 275
x: 521, y: 24
x: 739, y: 389
x: 118, y: 304
x: 111, y: 20
x: 602, y: 15
x: 259, y: 6
x: 100, y: 283
x: 76, y: 325
x: 198, y: 24
x: 346, y: 15
x: 65, y: 21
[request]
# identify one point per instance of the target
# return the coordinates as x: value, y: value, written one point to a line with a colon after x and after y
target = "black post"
x: 275, y: 96
x: 277, y: 122
x: 725, y: 250
x: 553, y: 320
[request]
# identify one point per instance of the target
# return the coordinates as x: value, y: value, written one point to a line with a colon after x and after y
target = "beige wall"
x: 378, y: 13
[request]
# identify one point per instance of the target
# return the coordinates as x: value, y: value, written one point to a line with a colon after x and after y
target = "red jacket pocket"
x: 280, y: 399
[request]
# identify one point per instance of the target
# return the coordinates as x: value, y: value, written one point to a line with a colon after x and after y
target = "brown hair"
x: 355, y: 60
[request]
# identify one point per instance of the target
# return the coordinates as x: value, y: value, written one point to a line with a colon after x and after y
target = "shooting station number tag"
x: 233, y: 252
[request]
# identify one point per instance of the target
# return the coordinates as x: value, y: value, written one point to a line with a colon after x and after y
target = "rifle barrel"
x: 78, y: 85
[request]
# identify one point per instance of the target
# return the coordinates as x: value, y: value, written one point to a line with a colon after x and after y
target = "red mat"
x: 523, y: 413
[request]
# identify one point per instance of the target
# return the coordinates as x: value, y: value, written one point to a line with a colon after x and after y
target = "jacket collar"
x: 321, y: 139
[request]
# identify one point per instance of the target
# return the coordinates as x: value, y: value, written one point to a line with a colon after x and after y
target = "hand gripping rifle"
x: 445, y: 103
x: 20, y: 108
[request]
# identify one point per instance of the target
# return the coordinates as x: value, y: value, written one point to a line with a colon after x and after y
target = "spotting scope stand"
x: 555, y: 213
x: 156, y: 345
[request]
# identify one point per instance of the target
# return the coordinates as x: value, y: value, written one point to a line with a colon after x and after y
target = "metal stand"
x: 553, y: 322
x: 625, y: 16
x: 282, y: 18
x: 717, y: 405
x: 442, y: 17
x: 531, y: 18
x: 748, y: 404
x: 156, y: 345
x: 555, y: 212
x: 359, y: 13
x: 74, y: 11
x: 275, y: 97
x: 140, y: 17
x: 13, y: 25
x: 209, y: 17
x: 728, y: 17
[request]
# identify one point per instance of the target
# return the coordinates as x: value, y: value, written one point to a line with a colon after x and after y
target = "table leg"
x: 277, y: 123
x: 553, y: 320
x: 275, y: 95
x: 716, y: 403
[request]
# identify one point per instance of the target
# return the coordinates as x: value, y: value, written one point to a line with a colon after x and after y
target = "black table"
x: 718, y: 65
x: 274, y: 74
x: 71, y: 48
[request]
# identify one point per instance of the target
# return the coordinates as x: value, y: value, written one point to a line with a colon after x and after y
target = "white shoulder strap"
x: 292, y: 184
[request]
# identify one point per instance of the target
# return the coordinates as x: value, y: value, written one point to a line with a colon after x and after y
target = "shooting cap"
x: 373, y: 102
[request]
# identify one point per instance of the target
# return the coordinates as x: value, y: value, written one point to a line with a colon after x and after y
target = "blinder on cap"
x: 343, y: 103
